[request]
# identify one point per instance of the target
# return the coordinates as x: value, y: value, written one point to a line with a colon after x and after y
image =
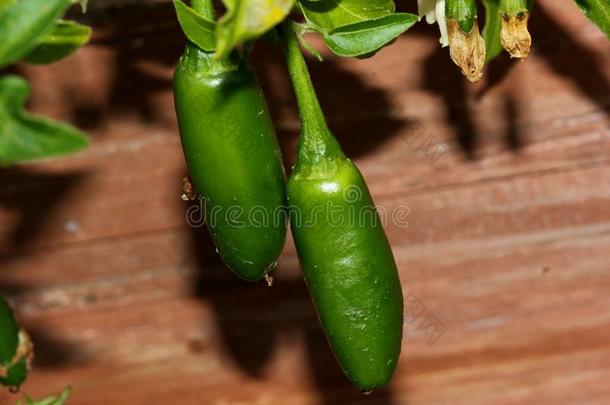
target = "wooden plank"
x: 503, y: 240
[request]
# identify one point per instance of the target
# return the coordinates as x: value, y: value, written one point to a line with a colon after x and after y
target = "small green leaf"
x: 23, y: 23
x: 59, y: 399
x: 328, y: 15
x: 65, y: 38
x: 25, y: 137
x: 491, y: 31
x: 366, y: 37
x: 248, y: 19
x: 597, y: 11
x: 197, y: 29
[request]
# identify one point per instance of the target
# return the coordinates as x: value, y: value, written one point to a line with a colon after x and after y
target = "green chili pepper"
x: 13, y: 365
x: 233, y: 156
x: 345, y: 255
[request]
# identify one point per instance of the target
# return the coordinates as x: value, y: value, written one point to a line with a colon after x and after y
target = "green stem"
x: 464, y: 11
x: 316, y: 142
x: 513, y: 7
x: 205, y: 8
x: 202, y: 62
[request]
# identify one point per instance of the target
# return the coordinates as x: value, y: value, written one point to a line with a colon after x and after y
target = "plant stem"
x: 204, y: 62
x: 205, y: 8
x: 316, y: 142
x: 513, y: 7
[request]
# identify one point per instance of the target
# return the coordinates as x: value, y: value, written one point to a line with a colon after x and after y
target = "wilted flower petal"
x: 434, y: 11
x: 427, y: 8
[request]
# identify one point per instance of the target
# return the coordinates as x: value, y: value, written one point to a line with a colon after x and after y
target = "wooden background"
x: 505, y: 258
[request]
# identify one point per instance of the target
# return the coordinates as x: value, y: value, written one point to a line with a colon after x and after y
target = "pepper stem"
x: 513, y: 7
x: 204, y: 62
x: 316, y: 142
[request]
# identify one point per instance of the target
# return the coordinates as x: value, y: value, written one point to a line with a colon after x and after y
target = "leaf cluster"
x: 350, y: 28
x: 34, y: 32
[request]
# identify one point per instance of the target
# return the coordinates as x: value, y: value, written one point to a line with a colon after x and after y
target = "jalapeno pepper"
x: 233, y: 157
x: 345, y: 255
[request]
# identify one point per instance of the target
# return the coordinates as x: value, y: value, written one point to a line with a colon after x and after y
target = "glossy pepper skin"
x: 234, y: 159
x: 349, y: 269
x: 11, y: 375
x: 345, y: 255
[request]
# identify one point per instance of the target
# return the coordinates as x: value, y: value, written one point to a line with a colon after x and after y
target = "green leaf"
x: 65, y: 38
x: 491, y: 31
x: 59, y: 399
x: 597, y: 11
x: 197, y: 29
x: 24, y: 23
x: 328, y: 15
x: 25, y: 137
x: 248, y: 19
x: 4, y: 3
x: 366, y: 37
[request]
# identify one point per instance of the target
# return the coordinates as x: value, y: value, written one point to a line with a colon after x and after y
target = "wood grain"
x: 503, y: 243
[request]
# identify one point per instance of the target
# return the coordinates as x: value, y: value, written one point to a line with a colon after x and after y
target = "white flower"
x: 434, y: 11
